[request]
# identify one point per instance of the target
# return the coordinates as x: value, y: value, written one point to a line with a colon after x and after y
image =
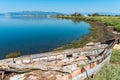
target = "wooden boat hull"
x: 92, y: 71
x: 72, y: 64
x: 78, y: 75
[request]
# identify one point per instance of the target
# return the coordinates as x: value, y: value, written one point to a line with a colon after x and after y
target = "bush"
x: 76, y: 14
x: 109, y: 22
x: 13, y: 55
x: 117, y: 27
x: 96, y: 14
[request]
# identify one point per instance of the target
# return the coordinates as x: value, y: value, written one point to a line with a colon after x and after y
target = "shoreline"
x: 99, y: 32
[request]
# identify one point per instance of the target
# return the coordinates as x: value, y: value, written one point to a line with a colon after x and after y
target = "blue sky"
x: 64, y: 6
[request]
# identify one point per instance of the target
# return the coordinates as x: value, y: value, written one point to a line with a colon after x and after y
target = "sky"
x: 63, y: 6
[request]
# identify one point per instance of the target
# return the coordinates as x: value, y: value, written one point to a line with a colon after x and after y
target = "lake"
x: 30, y: 36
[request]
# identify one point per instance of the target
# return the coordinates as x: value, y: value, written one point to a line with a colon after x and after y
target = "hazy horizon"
x: 62, y: 6
x: 64, y: 12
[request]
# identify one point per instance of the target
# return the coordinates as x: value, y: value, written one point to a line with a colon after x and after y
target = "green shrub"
x: 117, y: 27
x: 109, y: 22
x: 13, y: 55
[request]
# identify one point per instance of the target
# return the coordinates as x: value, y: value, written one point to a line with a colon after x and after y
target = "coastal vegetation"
x: 108, y: 20
x: 13, y: 55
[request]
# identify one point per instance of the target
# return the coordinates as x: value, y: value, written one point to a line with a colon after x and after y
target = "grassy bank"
x: 107, y: 20
x: 112, y: 70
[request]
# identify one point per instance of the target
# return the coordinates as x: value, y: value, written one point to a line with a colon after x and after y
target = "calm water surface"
x: 31, y: 36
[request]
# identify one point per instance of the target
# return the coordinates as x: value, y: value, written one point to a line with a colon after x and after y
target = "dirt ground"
x: 117, y: 46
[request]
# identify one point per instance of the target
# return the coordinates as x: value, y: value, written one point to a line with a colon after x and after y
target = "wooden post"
x: 14, y: 60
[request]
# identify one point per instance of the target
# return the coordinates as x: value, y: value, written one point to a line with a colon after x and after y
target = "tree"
x: 95, y: 14
x: 76, y: 14
x: 89, y: 15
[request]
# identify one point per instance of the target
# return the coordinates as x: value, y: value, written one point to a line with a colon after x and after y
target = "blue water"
x: 31, y: 36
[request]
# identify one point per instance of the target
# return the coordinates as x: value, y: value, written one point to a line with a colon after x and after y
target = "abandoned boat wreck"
x: 70, y: 64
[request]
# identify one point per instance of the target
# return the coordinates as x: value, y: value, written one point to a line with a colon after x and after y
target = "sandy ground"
x: 117, y: 46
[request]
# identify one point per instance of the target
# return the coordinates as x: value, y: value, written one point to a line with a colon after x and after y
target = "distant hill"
x: 31, y: 14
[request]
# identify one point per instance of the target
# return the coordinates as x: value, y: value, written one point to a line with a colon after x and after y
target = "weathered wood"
x: 2, y: 74
x: 65, y: 64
